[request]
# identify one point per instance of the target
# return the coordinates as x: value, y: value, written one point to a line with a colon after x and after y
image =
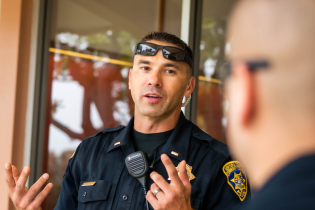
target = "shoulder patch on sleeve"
x: 236, y: 178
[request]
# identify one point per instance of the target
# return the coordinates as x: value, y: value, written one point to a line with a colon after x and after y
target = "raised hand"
x: 22, y: 197
x: 175, y: 195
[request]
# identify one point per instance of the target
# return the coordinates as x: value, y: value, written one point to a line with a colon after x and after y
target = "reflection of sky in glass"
x: 73, y: 40
x: 69, y: 113
x: 209, y: 67
x: 166, y: 52
x: 147, y: 49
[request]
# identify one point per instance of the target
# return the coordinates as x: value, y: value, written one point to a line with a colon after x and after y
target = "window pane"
x: 91, y: 52
x: 212, y: 52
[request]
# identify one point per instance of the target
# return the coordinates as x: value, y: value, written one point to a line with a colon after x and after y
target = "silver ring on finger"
x: 156, y: 192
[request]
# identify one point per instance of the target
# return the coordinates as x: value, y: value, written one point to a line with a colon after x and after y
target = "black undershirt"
x: 149, y: 142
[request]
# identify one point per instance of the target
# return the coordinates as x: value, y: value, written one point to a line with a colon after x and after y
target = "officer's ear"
x: 242, y: 94
x: 190, y: 86
x: 129, y: 83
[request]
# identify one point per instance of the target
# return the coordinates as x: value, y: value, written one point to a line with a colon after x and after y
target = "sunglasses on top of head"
x: 170, y: 53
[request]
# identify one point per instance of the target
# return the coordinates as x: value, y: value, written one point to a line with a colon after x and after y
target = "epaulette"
x: 108, y: 130
x: 214, y: 143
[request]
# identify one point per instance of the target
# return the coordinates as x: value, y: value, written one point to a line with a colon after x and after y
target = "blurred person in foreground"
x: 271, y: 95
x: 270, y: 88
x: 96, y: 175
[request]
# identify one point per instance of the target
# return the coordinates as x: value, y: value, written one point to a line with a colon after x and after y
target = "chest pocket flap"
x: 97, y: 192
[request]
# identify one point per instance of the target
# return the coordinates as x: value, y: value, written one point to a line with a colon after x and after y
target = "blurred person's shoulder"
x: 292, y: 187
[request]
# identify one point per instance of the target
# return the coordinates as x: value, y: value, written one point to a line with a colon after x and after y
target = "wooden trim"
x: 161, y: 12
x: 10, y: 24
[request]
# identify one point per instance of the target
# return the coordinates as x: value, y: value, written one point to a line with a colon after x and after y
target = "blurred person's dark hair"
x: 271, y: 116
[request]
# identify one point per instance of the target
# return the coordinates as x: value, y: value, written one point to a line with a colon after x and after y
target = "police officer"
x: 96, y: 176
x: 272, y: 100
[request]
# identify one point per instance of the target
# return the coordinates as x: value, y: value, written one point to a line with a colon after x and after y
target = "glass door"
x: 90, y: 54
x: 210, y: 108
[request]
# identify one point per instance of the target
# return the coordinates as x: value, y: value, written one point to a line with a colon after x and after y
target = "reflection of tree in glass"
x: 56, y: 171
x: 212, y: 52
x: 54, y: 105
x: 104, y: 85
x: 98, y: 79
x: 212, y: 42
x: 117, y: 41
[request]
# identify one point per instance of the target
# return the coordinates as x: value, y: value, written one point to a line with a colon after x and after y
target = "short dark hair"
x: 169, y: 38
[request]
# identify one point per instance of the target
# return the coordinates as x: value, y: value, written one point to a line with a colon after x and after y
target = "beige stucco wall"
x: 15, y: 28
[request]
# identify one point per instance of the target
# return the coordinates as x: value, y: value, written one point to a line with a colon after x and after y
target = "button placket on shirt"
x: 127, y: 192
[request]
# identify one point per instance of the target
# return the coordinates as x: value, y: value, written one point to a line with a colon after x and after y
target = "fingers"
x: 41, y: 196
x: 171, y: 170
x: 183, y: 174
x: 154, y: 187
x: 175, y: 195
x: 16, y: 173
x: 160, y: 195
x: 9, y: 176
x: 152, y: 200
x: 160, y: 181
x: 30, y: 195
x: 20, y: 184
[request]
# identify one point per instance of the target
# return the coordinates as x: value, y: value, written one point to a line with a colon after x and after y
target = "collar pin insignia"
x: 72, y: 155
x: 174, y: 153
x: 117, y: 143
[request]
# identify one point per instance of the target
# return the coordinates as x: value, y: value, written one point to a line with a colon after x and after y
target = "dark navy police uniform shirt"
x: 292, y: 188
x: 99, y: 163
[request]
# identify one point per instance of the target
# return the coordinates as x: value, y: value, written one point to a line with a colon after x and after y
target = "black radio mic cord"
x: 138, y: 167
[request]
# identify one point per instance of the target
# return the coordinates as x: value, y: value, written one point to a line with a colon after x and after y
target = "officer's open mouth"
x: 152, y: 96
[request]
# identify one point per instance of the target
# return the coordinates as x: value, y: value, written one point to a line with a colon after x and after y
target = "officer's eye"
x: 169, y: 71
x: 145, y: 68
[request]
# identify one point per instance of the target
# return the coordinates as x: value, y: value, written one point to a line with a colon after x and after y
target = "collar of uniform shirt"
x: 177, y: 142
x: 148, y: 143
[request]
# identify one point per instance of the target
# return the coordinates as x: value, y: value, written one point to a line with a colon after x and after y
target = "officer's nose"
x: 155, y: 79
x: 155, y: 76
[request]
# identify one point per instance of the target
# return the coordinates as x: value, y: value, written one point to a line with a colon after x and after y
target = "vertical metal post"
x: 194, y: 43
x: 41, y: 74
x: 184, y: 33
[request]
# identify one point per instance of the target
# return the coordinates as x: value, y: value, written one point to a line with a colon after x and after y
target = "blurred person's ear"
x: 243, y: 94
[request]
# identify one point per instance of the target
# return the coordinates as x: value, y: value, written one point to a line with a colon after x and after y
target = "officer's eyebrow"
x: 174, y: 65
x: 141, y: 61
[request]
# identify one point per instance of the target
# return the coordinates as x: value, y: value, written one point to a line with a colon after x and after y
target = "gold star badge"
x: 188, y: 170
